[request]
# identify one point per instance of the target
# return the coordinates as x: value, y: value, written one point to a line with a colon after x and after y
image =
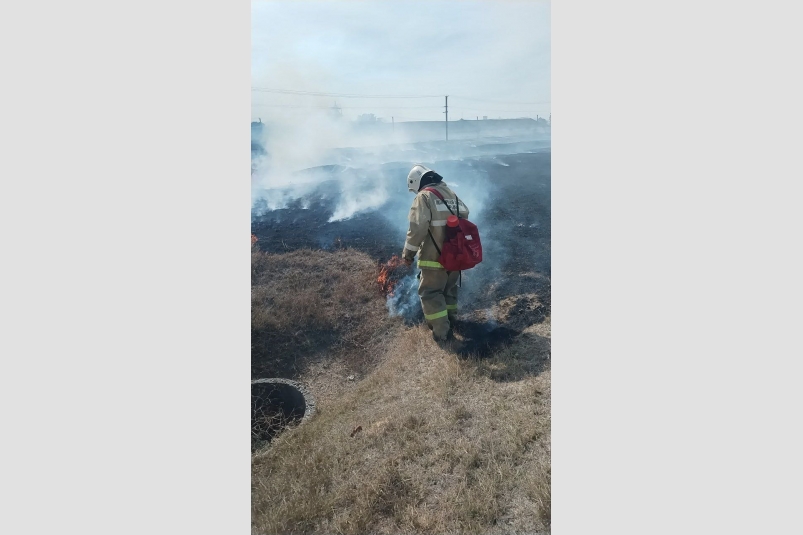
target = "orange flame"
x: 388, y: 278
x: 253, y: 239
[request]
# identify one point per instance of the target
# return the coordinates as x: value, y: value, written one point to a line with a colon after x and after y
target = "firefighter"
x: 425, y: 236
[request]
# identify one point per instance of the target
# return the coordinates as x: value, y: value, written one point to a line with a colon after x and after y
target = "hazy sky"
x: 491, y: 57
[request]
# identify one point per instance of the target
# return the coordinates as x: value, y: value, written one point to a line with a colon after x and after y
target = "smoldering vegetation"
x: 361, y: 202
x: 355, y: 199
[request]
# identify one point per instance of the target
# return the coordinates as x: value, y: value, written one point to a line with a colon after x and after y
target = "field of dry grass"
x: 444, y: 443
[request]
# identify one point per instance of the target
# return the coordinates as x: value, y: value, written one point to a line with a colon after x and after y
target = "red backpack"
x: 461, y: 247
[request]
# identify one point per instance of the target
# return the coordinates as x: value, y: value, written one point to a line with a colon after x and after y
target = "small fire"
x: 388, y: 275
x: 254, y: 239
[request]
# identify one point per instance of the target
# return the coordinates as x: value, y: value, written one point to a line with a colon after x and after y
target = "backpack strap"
x: 436, y: 192
x: 433, y: 242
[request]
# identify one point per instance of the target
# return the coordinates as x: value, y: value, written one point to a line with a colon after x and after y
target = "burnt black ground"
x: 514, y: 223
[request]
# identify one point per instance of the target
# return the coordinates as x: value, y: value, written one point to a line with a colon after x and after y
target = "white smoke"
x: 354, y: 200
x: 306, y: 150
x: 368, y: 162
x: 404, y: 301
x: 333, y: 166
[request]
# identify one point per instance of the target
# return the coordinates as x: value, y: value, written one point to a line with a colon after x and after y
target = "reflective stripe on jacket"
x: 428, y: 212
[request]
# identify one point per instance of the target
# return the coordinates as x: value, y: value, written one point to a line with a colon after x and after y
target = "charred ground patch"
x: 514, y: 219
x: 480, y: 340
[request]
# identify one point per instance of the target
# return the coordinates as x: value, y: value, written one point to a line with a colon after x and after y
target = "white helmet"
x: 414, y: 178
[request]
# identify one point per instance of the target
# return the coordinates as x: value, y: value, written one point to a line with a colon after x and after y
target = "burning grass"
x: 389, y: 275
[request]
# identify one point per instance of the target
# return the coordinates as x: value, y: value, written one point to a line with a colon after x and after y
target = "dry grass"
x: 307, y: 305
x: 443, y: 449
x: 447, y: 445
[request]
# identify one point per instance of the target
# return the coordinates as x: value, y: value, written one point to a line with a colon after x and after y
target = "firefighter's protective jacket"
x: 429, y: 213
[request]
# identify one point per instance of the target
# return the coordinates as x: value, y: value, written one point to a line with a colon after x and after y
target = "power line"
x: 486, y: 110
x: 345, y: 107
x: 500, y: 111
x: 499, y: 101
x: 299, y: 92
x: 339, y: 95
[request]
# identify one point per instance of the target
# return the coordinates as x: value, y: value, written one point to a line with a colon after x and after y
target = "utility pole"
x: 447, y: 117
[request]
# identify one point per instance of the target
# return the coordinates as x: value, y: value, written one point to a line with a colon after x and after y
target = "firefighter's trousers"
x: 438, y: 293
